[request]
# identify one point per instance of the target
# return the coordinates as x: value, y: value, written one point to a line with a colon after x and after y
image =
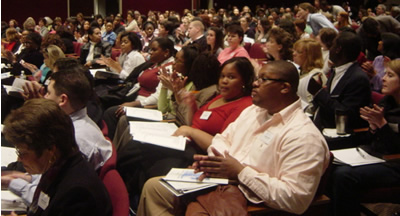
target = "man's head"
x: 70, y: 89
x: 380, y: 9
x: 196, y: 28
x: 345, y: 48
x: 276, y: 86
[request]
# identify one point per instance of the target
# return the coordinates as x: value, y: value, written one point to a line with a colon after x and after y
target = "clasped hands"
x: 218, y: 166
x: 374, y: 116
x: 173, y: 81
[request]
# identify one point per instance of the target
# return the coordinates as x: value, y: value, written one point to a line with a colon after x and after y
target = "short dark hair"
x: 391, y: 45
x: 235, y: 29
x: 65, y: 63
x: 91, y: 30
x: 74, y: 84
x: 148, y: 23
x: 166, y: 44
x: 41, y: 124
x: 286, y: 71
x: 169, y: 26
x: 35, y: 38
x: 327, y: 35
x: 205, y: 71
x: 246, y: 71
x: 134, y: 39
x: 350, y: 44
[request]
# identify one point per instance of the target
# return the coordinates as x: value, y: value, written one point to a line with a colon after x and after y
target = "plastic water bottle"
x: 22, y: 76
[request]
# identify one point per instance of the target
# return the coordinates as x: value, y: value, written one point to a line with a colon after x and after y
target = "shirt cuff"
x: 17, y: 185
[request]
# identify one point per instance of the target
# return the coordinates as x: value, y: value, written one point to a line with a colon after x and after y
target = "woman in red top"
x: 235, y: 84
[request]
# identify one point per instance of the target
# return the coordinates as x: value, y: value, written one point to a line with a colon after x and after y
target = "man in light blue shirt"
x: 109, y: 36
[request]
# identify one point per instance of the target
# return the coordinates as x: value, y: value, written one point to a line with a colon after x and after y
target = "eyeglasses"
x: 20, y: 154
x: 265, y: 79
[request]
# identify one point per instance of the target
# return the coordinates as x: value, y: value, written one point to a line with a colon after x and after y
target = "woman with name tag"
x: 145, y: 80
x: 138, y: 162
x: 384, y: 124
x: 44, y: 140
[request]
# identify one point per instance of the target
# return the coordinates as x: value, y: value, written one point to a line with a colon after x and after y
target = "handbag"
x: 224, y: 200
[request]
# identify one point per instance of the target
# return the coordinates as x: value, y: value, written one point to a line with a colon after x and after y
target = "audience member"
x: 307, y: 54
x: 196, y: 35
x: 316, y: 20
x: 279, y: 45
x: 215, y: 41
x: 347, y: 88
x: 95, y: 48
x: 348, y: 182
x: 234, y: 34
x: 130, y: 56
x: 43, y: 135
x: 239, y: 153
x: 389, y: 46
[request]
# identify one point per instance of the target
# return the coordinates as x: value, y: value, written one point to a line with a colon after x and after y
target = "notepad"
x: 8, y: 155
x: 11, y: 202
x: 184, y: 181
x: 354, y: 157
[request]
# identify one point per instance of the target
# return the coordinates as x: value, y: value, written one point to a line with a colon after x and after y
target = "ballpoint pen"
x: 359, y: 152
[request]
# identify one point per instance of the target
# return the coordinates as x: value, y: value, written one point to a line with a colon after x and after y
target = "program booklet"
x: 184, y: 181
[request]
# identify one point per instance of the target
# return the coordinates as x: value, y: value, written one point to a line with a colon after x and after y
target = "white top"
x: 129, y: 62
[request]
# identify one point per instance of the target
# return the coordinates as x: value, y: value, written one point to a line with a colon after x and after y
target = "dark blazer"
x: 201, y: 43
x: 350, y: 94
x: 77, y: 190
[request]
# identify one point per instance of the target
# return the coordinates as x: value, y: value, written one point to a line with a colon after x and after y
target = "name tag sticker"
x: 43, y: 201
x: 205, y: 115
x: 267, y: 137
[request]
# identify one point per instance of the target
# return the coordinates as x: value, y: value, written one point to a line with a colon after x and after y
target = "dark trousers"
x: 349, y: 182
x: 111, y: 120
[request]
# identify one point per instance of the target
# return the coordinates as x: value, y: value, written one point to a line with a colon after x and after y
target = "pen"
x: 359, y: 152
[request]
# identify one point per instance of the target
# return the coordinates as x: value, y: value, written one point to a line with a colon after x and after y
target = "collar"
x: 198, y: 37
x: 78, y: 114
x: 342, y: 68
x: 286, y: 113
x: 308, y: 17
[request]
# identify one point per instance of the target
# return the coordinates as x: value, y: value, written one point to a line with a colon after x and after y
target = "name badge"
x: 267, y: 137
x: 43, y: 201
x: 205, y: 115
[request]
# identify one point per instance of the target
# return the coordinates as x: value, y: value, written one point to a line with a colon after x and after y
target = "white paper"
x: 157, y: 133
x: 353, y: 157
x: 8, y: 155
x: 5, y: 75
x: 143, y: 113
x: 11, y: 202
x: 18, y: 84
x: 188, y: 175
x: 8, y: 88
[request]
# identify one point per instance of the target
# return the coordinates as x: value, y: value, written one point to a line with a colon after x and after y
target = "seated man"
x: 272, y: 149
x: 71, y: 90
x: 347, y: 89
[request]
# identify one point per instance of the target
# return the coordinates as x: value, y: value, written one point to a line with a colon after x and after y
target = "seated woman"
x: 307, y: 54
x: 263, y: 26
x: 43, y: 135
x: 279, y: 45
x: 50, y: 54
x: 389, y: 46
x: 12, y: 37
x: 95, y: 48
x: 30, y: 54
x: 138, y: 162
x: 235, y: 38
x: 384, y: 120
x: 130, y: 56
x: 145, y: 78
x: 215, y: 41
